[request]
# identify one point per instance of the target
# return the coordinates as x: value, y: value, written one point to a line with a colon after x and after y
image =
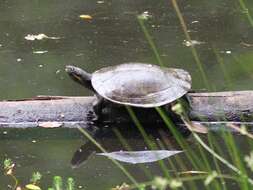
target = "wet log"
x: 216, y: 107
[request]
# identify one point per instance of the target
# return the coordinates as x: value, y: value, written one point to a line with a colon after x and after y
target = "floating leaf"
x: 32, y: 187
x: 40, y: 52
x: 135, y: 157
x: 50, y: 124
x: 33, y: 37
x: 192, y: 43
x: 85, y: 17
x: 100, y: 2
x: 195, y: 21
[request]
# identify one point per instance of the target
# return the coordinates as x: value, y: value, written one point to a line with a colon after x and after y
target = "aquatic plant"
x: 9, y: 170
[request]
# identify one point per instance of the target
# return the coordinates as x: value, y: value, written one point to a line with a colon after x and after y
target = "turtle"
x: 134, y: 84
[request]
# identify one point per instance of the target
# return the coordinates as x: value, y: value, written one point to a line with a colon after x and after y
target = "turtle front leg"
x: 98, y: 106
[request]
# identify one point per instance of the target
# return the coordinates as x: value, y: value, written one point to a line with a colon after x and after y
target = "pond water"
x: 113, y: 36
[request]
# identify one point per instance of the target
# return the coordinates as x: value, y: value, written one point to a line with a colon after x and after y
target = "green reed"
x: 237, y: 165
x: 193, y: 50
x: 207, y: 155
x: 246, y: 11
x: 34, y: 184
x: 121, y: 167
x: 142, y: 19
x: 147, y: 140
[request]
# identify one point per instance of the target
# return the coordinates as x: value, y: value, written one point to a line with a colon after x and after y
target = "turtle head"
x: 80, y: 76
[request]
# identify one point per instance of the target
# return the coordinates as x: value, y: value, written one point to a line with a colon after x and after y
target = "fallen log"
x: 68, y: 111
x: 35, y: 111
x: 222, y: 106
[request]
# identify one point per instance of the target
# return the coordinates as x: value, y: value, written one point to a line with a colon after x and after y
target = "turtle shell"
x: 141, y: 85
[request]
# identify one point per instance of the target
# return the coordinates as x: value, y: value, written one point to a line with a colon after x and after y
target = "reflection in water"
x: 140, y: 157
x: 127, y: 138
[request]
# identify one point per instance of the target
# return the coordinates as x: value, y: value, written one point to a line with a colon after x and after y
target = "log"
x: 221, y: 106
x: 215, y: 107
x: 35, y: 111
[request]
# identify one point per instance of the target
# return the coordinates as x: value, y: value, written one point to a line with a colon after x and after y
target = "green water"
x: 113, y: 36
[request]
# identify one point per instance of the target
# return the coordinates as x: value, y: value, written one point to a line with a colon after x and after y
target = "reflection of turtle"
x: 134, y: 84
x: 109, y: 139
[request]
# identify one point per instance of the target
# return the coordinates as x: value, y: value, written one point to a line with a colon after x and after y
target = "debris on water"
x: 137, y: 157
x: 188, y: 43
x: 1, y: 45
x: 100, y: 2
x: 34, y: 141
x: 40, y: 52
x: 86, y: 17
x: 191, y: 31
x: 33, y: 37
x: 195, y: 21
x: 79, y: 54
x: 123, y: 186
x: 246, y: 44
x: 5, y: 132
x: 40, y: 66
x: 50, y: 124
x: 19, y: 59
x: 145, y: 15
x: 227, y: 52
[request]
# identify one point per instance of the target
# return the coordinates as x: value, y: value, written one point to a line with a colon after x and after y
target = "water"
x: 112, y: 37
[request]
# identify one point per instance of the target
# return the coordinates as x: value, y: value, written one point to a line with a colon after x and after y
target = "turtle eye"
x: 68, y: 69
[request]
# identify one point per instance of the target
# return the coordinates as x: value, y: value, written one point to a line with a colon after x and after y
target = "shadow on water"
x: 126, y: 138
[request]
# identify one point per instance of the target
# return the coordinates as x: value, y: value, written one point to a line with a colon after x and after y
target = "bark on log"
x: 215, y: 106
